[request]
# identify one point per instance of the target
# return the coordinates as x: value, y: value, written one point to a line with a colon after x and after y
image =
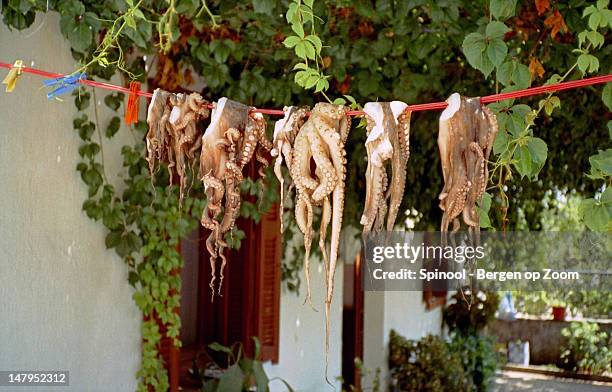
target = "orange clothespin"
x: 11, y: 79
x: 131, y: 110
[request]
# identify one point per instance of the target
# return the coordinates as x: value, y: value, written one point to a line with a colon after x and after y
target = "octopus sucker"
x: 285, y: 131
x: 465, y: 139
x: 387, y: 144
x: 321, y: 139
x: 234, y: 136
x: 183, y: 119
x: 173, y: 136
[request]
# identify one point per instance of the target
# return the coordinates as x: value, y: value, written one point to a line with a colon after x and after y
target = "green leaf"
x: 474, y: 49
x: 130, y: 21
x: 606, y: 95
x: 113, y: 127
x: 219, y: 347
x: 92, y: 209
x: 597, y: 215
x: 89, y: 150
x: 261, y: 379
x: 264, y: 6
x: 606, y: 196
x: 522, y: 161
x: 601, y: 164
x: 300, y: 50
x: 497, y: 51
x: 232, y: 380
x: 539, y: 152
x: 496, y: 30
x: 473, y: 46
x: 485, y: 221
x: 504, y: 73
x: 502, y: 9
x: 321, y: 85
x: 112, y: 239
x: 298, y: 29
x: 113, y: 101
x: 550, y: 104
x: 500, y: 143
x: 310, y: 50
x: 316, y: 41
x: 587, y: 63
x: 81, y: 99
x: 485, y: 202
x: 595, y: 38
x: 594, y: 20
x: 77, y: 32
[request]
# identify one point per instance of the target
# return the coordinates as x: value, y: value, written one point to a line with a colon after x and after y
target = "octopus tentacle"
x: 388, y: 125
x: 465, y: 140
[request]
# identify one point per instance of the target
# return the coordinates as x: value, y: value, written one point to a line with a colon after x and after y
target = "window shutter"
x: 268, y: 283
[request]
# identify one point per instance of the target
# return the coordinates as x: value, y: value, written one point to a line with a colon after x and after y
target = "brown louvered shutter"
x: 268, y: 283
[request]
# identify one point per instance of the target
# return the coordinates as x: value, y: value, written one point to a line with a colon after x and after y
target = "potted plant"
x: 558, y: 310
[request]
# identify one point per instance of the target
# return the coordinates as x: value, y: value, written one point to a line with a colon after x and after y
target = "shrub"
x: 466, y: 317
x: 478, y: 357
x: 426, y: 365
x: 469, y: 313
x: 587, y: 349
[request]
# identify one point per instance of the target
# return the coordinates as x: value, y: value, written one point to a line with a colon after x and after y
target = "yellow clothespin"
x: 11, y: 79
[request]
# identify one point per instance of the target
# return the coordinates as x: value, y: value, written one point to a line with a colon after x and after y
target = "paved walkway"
x: 510, y: 381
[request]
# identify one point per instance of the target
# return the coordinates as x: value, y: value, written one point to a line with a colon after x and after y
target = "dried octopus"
x: 388, y: 127
x: 322, y: 139
x: 285, y: 131
x: 465, y: 140
x: 228, y: 144
x: 173, y: 136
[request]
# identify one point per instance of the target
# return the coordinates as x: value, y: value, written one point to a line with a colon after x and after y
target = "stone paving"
x: 510, y: 381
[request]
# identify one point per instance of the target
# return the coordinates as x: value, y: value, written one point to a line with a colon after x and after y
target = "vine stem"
x: 210, y: 14
x: 499, y: 165
x: 99, y: 131
x: 103, y: 47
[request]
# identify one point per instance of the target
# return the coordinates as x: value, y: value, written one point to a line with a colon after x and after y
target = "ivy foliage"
x: 145, y: 224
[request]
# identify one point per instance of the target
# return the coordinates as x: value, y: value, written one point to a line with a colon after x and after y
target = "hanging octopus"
x: 285, y: 131
x: 158, y: 136
x: 388, y: 127
x: 233, y: 137
x: 173, y: 136
x: 185, y: 136
x: 465, y: 140
x: 322, y: 139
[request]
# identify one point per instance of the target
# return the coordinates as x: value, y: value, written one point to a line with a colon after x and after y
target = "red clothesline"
x: 414, y: 108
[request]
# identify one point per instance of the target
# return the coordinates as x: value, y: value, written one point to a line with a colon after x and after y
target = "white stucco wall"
x: 64, y: 300
x: 302, y: 337
x: 403, y: 311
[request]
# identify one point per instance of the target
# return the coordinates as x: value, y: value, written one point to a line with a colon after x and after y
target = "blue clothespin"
x: 65, y: 84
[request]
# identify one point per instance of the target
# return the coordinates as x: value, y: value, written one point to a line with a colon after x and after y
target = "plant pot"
x: 558, y: 313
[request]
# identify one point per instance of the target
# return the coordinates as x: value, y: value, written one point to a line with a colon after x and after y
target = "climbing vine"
x: 145, y: 224
x: 516, y: 148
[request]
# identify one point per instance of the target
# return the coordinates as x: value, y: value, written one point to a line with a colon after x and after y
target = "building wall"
x: 403, y: 311
x: 544, y: 336
x: 64, y: 300
x: 302, y: 338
